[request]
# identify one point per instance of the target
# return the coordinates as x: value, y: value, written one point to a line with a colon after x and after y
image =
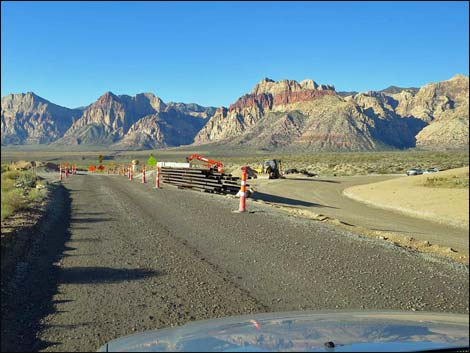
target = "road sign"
x: 151, y: 162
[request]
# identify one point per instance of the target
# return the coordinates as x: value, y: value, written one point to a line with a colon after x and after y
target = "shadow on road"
x: 29, y: 298
x: 90, y: 213
x: 29, y: 290
x: 85, y: 240
x: 68, y: 248
x: 81, y: 275
x: 90, y: 220
x: 284, y: 200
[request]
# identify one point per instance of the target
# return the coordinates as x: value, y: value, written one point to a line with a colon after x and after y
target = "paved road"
x: 136, y: 258
x: 325, y: 196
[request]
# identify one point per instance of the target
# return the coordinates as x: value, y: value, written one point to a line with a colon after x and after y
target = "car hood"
x: 307, y: 331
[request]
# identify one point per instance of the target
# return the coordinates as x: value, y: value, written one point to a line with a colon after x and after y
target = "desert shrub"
x: 6, y: 211
x: 7, y: 184
x: 454, y: 181
x: 26, y: 179
x: 12, y: 201
x: 11, y: 174
x: 36, y: 195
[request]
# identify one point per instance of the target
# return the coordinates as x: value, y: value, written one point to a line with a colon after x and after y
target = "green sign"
x: 151, y: 161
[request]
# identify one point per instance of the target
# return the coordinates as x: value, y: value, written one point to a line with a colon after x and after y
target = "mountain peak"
x: 458, y: 77
x: 30, y: 97
x: 308, y: 84
x: 266, y: 79
x: 107, y: 97
x: 109, y: 94
x: 268, y: 86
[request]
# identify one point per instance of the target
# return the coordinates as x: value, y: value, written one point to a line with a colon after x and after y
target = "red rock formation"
x: 262, y: 101
x: 300, y: 96
x: 267, y: 101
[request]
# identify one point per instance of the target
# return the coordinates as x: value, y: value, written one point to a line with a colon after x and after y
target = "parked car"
x: 414, y: 171
x: 431, y: 170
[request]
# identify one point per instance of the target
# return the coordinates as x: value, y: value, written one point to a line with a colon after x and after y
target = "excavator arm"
x: 209, y: 162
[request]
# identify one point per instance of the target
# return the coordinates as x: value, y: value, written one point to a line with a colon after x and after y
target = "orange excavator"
x: 209, y: 162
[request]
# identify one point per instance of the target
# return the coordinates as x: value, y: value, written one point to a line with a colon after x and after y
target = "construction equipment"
x: 209, y: 162
x: 206, y: 180
x: 272, y: 168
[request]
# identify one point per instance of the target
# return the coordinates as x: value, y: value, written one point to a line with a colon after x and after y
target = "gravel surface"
x: 325, y: 196
x: 133, y: 258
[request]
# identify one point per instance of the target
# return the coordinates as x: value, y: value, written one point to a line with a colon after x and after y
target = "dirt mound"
x: 250, y: 173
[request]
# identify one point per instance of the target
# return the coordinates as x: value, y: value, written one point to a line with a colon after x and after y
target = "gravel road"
x: 134, y: 258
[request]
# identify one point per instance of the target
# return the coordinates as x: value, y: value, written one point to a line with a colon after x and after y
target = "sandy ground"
x: 409, y: 196
x: 322, y: 198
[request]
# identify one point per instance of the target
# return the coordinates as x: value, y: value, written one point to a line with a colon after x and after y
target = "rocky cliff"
x: 29, y: 119
x: 162, y: 129
x: 108, y: 119
x: 142, y: 121
x: 444, y: 106
x: 282, y: 114
x: 310, y: 116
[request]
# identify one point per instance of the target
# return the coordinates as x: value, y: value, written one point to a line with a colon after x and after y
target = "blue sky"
x: 213, y: 52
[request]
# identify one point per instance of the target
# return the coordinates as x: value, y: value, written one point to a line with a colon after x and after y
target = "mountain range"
x: 286, y: 114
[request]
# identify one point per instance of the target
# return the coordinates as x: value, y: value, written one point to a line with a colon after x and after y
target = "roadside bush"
x: 36, y: 195
x: 11, y: 201
x: 18, y: 190
x: 5, y: 168
x: 7, y: 184
x: 26, y: 180
x: 6, y: 211
x: 11, y: 174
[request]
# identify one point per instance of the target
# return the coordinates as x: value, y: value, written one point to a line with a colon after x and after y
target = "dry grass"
x: 450, y: 182
x: 346, y: 164
x: 12, y: 201
x: 16, y: 198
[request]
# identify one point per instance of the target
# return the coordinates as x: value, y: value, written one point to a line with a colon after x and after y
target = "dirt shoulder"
x: 408, y: 195
x: 31, y: 241
x: 16, y: 233
x: 322, y: 199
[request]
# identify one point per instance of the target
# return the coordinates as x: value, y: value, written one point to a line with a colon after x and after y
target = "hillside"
x: 308, y: 116
x: 139, y: 122
x: 274, y: 115
x: 29, y: 119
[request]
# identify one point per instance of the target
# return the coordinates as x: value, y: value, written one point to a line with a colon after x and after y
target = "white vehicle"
x: 414, y: 171
x: 371, y: 331
x: 431, y: 170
